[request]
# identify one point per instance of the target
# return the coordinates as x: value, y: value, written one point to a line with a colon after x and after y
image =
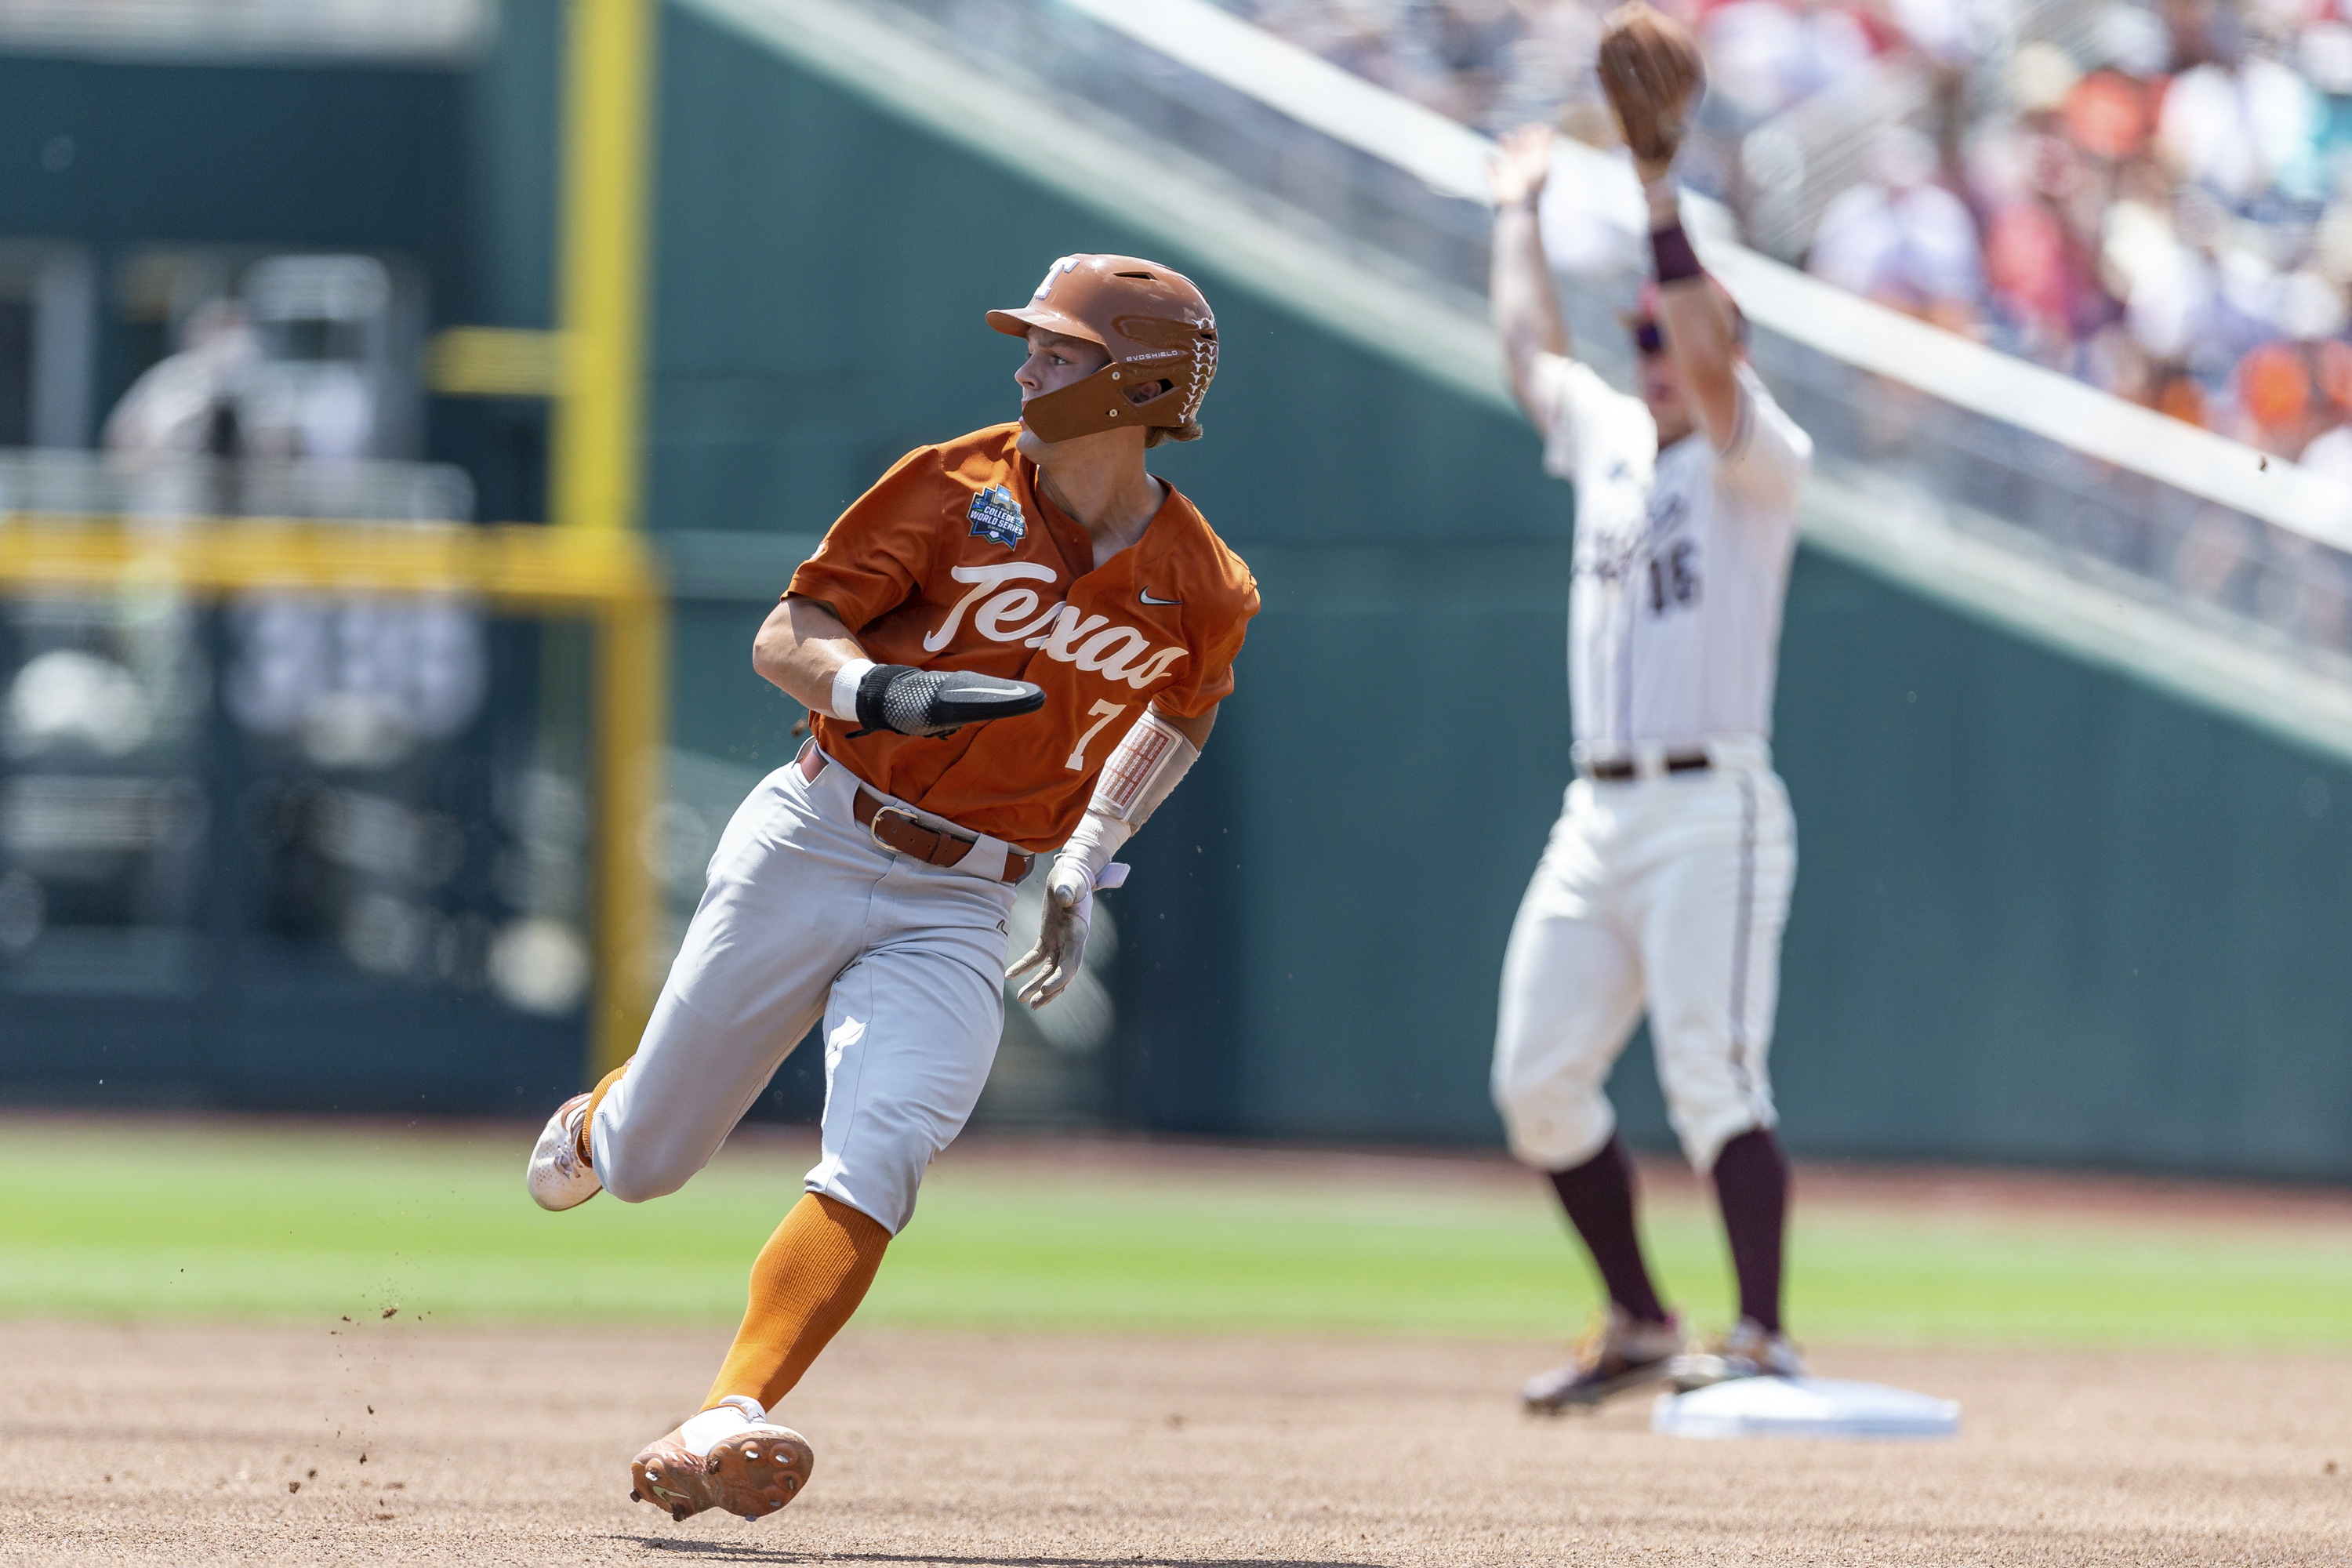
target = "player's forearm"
x: 802, y: 648
x: 1142, y: 771
x: 1194, y: 729
x: 1696, y: 326
x: 1526, y: 305
x: 1692, y: 322
x: 1149, y: 761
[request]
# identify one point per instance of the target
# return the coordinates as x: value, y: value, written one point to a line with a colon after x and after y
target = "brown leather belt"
x: 1674, y: 762
x: 894, y: 826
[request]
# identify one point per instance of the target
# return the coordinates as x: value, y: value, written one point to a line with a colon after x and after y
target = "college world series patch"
x: 996, y: 515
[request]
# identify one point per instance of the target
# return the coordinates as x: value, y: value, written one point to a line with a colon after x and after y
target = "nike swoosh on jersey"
x: 1145, y: 595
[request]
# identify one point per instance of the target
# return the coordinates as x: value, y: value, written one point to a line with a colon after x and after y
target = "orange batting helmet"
x: 1150, y: 320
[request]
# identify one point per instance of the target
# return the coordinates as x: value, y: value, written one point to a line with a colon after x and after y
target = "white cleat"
x: 751, y: 1474
x: 558, y: 1178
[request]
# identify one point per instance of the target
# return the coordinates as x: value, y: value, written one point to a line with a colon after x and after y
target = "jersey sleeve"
x: 1766, y: 459
x: 1207, y: 678
x: 1569, y: 400
x: 878, y: 554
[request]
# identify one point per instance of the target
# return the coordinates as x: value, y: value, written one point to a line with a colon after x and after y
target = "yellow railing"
x: 594, y: 563
x: 605, y: 576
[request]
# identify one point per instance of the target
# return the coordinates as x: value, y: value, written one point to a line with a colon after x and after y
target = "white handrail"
x: 1444, y: 154
x: 1438, y: 332
x: 2040, y: 402
x: 1452, y: 158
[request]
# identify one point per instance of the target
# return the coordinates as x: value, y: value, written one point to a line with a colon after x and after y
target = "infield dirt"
x: 415, y: 1444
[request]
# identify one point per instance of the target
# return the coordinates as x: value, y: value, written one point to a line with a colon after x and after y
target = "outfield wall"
x: 2043, y: 913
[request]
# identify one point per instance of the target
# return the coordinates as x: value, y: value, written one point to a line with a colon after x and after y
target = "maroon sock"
x: 1599, y: 1198
x: 1751, y: 1183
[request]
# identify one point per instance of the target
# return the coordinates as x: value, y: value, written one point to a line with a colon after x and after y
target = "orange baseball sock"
x: 809, y: 1278
x: 597, y: 1098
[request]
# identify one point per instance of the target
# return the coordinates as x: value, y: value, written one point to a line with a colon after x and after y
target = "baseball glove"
x: 1650, y: 68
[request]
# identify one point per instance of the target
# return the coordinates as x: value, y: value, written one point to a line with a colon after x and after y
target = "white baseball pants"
x: 803, y: 915
x: 1667, y: 892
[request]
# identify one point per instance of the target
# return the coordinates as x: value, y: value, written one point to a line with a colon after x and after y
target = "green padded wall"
x: 2042, y: 914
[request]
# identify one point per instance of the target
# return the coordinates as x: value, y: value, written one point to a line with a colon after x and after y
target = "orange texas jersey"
x: 954, y: 560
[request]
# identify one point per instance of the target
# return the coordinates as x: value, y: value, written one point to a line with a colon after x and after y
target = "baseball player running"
x: 1665, y: 882
x: 1015, y: 642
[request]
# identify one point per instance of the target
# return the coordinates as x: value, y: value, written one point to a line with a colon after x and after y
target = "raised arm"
x: 1651, y: 69
x: 1526, y: 305
x: 1693, y: 316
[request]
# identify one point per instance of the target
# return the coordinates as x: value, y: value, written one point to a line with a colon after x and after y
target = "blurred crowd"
x: 2155, y: 198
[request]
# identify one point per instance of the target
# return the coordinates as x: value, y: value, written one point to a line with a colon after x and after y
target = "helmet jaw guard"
x: 1111, y: 399
x: 1152, y: 322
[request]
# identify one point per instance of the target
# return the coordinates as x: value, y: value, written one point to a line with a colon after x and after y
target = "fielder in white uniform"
x: 1665, y: 882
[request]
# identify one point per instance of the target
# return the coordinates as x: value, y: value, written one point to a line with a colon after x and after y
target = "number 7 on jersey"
x: 1107, y: 711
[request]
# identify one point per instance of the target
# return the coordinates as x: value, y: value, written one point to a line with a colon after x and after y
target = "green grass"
x: 163, y: 1221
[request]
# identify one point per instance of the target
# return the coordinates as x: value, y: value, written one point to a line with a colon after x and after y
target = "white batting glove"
x: 1141, y: 769
x: 1062, y: 932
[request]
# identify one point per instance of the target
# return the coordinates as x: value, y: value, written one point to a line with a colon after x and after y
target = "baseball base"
x: 1804, y: 1408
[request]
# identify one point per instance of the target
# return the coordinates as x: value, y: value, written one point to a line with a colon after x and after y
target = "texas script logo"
x: 1013, y: 614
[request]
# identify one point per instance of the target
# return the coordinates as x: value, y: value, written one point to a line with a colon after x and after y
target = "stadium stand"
x: 2078, y: 518
x: 2151, y: 198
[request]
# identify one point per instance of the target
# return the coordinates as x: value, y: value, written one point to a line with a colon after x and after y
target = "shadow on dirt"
x: 724, y: 1551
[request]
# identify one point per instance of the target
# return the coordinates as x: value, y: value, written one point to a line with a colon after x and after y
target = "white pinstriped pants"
x: 1666, y: 893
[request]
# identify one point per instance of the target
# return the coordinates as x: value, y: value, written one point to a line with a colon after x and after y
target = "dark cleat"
x: 1622, y: 1354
